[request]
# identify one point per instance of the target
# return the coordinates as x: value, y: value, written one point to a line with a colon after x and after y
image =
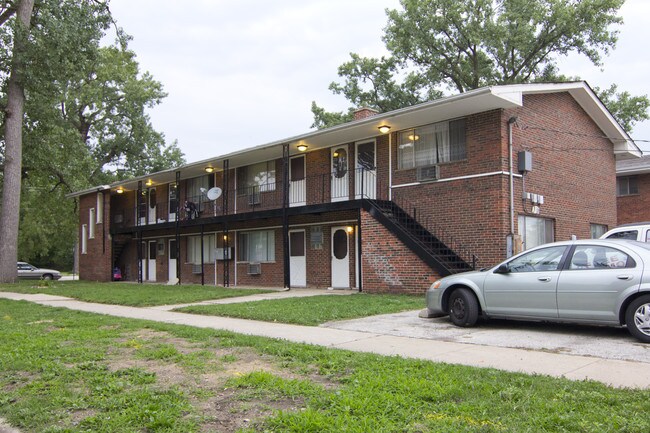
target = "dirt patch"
x: 221, y: 408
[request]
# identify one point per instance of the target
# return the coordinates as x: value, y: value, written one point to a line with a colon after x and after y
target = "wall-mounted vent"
x: 430, y: 172
x: 254, y: 269
x: 197, y: 269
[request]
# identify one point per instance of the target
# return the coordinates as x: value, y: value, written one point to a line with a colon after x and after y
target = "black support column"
x: 178, y: 226
x: 226, y: 235
x: 285, y: 214
x: 138, y: 204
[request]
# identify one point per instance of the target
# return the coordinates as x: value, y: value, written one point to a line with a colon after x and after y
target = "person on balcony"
x: 190, y: 210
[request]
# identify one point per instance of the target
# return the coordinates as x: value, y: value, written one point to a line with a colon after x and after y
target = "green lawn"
x: 137, y: 295
x: 313, y: 310
x: 69, y: 371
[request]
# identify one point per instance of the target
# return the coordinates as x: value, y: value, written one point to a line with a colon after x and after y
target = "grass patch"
x: 312, y: 310
x: 68, y: 371
x: 136, y: 295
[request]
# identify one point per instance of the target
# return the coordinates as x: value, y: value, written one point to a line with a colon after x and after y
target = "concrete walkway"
x: 617, y: 373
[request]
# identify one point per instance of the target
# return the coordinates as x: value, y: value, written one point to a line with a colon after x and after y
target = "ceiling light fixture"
x: 149, y: 182
x: 119, y: 190
x: 384, y: 129
x: 302, y: 147
x: 209, y: 169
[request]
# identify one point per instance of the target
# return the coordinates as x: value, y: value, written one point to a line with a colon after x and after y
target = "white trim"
x: 449, y: 179
x: 390, y: 166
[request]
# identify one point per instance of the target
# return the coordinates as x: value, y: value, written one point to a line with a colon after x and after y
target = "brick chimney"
x: 364, y: 113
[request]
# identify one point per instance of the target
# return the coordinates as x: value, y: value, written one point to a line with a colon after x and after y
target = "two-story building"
x: 387, y: 202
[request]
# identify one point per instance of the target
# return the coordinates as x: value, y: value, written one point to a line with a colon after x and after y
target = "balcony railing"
x: 311, y: 190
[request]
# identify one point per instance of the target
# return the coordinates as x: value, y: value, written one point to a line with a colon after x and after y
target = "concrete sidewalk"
x: 612, y: 372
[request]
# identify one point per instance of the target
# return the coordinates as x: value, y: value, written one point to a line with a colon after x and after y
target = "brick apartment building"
x: 387, y: 202
x: 633, y: 190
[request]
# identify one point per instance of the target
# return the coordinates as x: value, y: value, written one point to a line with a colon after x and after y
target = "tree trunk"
x: 10, y: 211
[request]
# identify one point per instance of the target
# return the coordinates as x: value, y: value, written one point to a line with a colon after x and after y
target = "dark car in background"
x: 30, y: 272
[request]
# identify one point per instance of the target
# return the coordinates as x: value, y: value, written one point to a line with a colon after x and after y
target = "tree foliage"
x: 85, y: 120
x: 460, y: 45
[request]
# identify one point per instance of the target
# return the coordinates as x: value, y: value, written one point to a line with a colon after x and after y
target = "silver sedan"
x: 587, y: 281
x: 30, y: 272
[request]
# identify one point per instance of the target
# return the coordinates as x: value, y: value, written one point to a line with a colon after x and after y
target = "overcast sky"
x: 244, y: 73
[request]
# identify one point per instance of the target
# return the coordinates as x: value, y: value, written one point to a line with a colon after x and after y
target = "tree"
x: 465, y: 44
x: 12, y: 161
x: 84, y: 124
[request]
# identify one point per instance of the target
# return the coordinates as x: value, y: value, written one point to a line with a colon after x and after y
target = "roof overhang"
x: 464, y: 104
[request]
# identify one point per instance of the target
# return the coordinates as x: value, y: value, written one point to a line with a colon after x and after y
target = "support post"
x: 226, y: 235
x: 138, y: 204
x: 178, y: 227
x: 285, y: 214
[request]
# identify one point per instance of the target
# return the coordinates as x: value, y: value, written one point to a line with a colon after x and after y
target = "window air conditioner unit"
x: 196, y: 269
x: 254, y: 269
x: 430, y: 172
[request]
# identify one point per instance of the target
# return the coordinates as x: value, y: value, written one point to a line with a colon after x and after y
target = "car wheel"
x: 47, y: 277
x: 637, y: 318
x: 463, y: 307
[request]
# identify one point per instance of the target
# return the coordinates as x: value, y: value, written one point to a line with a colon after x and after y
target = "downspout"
x: 511, y: 121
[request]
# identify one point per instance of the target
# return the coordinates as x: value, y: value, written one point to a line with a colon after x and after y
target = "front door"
x: 173, y: 201
x: 151, y: 260
x: 340, y: 258
x: 297, y: 259
x: 340, y: 188
x: 366, y: 171
x: 172, y: 261
x: 298, y: 183
x: 151, y: 205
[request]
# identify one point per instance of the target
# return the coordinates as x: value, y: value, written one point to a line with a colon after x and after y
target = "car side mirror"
x: 503, y: 269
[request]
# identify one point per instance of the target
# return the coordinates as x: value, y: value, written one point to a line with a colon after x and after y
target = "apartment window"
x: 535, y: 231
x: 597, y: 230
x: 84, y: 239
x: 91, y: 224
x: 256, y: 178
x: 100, y: 208
x: 194, y: 249
x: 432, y: 144
x: 258, y: 246
x: 626, y: 185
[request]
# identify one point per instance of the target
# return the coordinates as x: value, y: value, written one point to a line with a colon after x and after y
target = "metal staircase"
x: 439, y: 255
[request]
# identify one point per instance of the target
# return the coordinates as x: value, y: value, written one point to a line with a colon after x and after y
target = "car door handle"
x: 624, y: 277
x: 544, y: 279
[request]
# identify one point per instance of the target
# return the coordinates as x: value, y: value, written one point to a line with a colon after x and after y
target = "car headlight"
x: 436, y: 285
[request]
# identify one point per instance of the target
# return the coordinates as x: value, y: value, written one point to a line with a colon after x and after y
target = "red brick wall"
x: 635, y: 208
x: 96, y: 264
x: 388, y: 266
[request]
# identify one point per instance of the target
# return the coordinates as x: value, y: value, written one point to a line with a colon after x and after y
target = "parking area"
x: 601, y: 342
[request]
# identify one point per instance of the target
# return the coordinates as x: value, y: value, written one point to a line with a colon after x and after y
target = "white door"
x: 340, y: 190
x: 151, y: 261
x: 340, y: 258
x: 297, y: 259
x: 297, y: 181
x: 173, y: 201
x: 366, y: 171
x: 172, y: 260
x: 151, y: 206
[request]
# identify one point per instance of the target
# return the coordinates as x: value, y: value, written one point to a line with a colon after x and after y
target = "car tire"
x: 463, y: 307
x: 48, y: 277
x: 637, y: 318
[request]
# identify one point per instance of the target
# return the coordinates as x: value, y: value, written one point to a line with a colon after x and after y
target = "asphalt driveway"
x: 601, y: 342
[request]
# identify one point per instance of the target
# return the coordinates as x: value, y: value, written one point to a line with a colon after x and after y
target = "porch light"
x: 119, y: 190
x: 209, y: 169
x: 349, y: 229
x: 414, y: 137
x: 384, y: 129
x: 302, y: 147
x: 225, y: 237
x: 149, y: 182
x: 336, y: 154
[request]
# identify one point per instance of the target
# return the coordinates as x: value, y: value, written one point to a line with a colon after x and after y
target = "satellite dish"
x: 214, y: 193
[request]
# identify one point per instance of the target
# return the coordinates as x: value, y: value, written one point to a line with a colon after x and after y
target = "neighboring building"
x: 354, y: 207
x: 633, y: 190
